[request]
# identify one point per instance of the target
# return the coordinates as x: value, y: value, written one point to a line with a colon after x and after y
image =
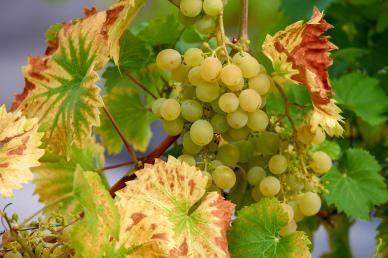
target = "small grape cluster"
x: 200, y: 12
x: 219, y: 112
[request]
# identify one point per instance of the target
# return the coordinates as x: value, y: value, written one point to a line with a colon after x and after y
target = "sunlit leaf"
x: 19, y: 150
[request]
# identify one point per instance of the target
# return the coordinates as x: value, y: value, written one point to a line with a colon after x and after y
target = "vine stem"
x: 116, y: 166
x: 149, y: 159
x: 139, y: 84
x: 287, y: 103
x: 130, y: 150
x: 244, y: 37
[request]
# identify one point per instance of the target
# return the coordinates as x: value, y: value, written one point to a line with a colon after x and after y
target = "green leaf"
x: 54, y: 178
x: 239, y: 190
x: 52, y: 31
x: 304, y: 8
x: 356, y: 186
x: 255, y: 233
x: 330, y: 148
x: 362, y: 95
x: 115, y: 79
x: 135, y: 53
x: 94, y: 234
x: 132, y: 117
x: 161, y: 31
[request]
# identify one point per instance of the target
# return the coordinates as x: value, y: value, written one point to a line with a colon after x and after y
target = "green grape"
x: 194, y: 76
x: 168, y: 59
x: 309, y: 203
x: 170, y: 109
x: 237, y: 87
x: 189, y: 146
x: 250, y: 100
x: 188, y: 159
x: 288, y: 229
x: 156, y: 106
x: 219, y: 123
x: 257, y: 121
x: 289, y: 210
x: 180, y: 74
x: 257, y: 161
x: 255, y: 175
x: 212, y: 7
x: 270, y: 186
x: 201, y: 132
x: 298, y: 215
x: 294, y: 183
x: 277, y: 164
x: 210, y: 69
x: 191, y: 8
x: 191, y: 110
x: 266, y: 143
x: 246, y: 149
x: 13, y: 255
x: 319, y: 136
x: 216, y: 108
x: 215, y: 163
x: 228, y: 102
x: 207, y: 93
x: 224, y: 177
x: 304, y: 134
x: 173, y: 127
x: 237, y: 134
x: 237, y: 119
x: 228, y: 154
x: 248, y: 64
x: 321, y: 162
x: 256, y: 194
x: 231, y: 75
x: 186, y: 21
x: 260, y: 83
x: 205, y: 24
x: 193, y: 57
x: 188, y: 92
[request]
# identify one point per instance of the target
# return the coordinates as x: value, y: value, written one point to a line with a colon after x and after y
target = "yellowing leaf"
x: 168, y: 211
x: 302, y: 55
x: 19, y: 150
x: 61, y: 88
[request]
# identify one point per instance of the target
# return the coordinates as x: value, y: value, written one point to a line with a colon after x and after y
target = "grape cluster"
x: 200, y: 12
x: 219, y: 112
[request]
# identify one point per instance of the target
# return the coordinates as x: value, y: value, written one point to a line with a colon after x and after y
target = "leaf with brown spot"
x: 168, y: 210
x: 19, y: 150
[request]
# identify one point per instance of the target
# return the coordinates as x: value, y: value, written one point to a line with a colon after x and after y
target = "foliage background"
x: 361, y: 29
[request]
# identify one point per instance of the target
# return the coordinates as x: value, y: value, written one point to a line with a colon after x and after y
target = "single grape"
x: 237, y: 134
x: 255, y: 175
x: 210, y: 69
x: 246, y: 149
x: 321, y: 162
x: 248, y: 64
x: 170, y: 109
x: 266, y: 143
x: 236, y: 87
x: 13, y: 255
x: 319, y: 136
x: 256, y: 194
x: 207, y: 93
x: 231, y: 75
x: 168, y: 59
x: 309, y: 203
x: 188, y: 92
x: 193, y: 57
x: 173, y: 127
x: 219, y: 123
x: 228, y: 154
x: 156, y: 106
x: 250, y: 100
x: 260, y: 83
x: 270, y: 186
x: 201, y: 132
x: 189, y: 146
x: 205, y: 24
x: 237, y: 119
x: 180, y: 74
x: 288, y: 229
x: 228, y: 102
x: 257, y: 121
x: 298, y: 215
x: 188, y: 159
x: 191, y: 110
x: 212, y: 7
x: 194, y: 76
x: 289, y: 210
x: 257, y: 161
x: 191, y: 8
x: 224, y: 177
x: 277, y: 164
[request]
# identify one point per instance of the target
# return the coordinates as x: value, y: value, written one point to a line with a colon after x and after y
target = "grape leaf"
x: 114, y: 78
x: 60, y: 88
x: 362, y: 95
x: 304, y: 8
x: 330, y: 148
x: 54, y: 178
x: 168, y: 210
x: 19, y: 150
x: 95, y: 233
x: 255, y: 233
x: 356, y: 185
x: 132, y: 117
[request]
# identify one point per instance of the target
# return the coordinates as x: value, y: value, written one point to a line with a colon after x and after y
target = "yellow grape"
x: 321, y: 162
x: 173, y: 127
x: 188, y: 159
x: 170, y: 109
x: 191, y: 8
x: 231, y: 75
x: 277, y: 164
x: 250, y: 100
x: 168, y: 59
x: 237, y: 119
x: 193, y: 57
x: 228, y: 102
x: 224, y: 177
x: 260, y: 83
x: 309, y: 203
x: 257, y: 121
x: 270, y: 186
x: 201, y: 132
x: 210, y: 69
